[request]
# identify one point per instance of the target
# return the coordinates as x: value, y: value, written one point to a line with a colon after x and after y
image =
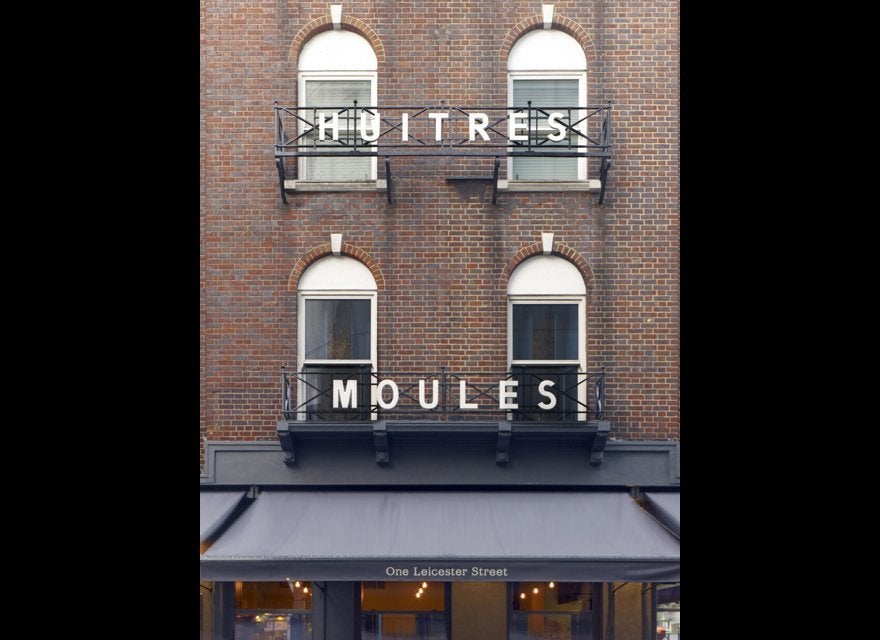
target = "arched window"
x: 336, y: 338
x: 547, y: 338
x: 336, y: 68
x: 548, y: 68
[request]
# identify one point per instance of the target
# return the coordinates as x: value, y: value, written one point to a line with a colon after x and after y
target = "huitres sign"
x: 553, y: 126
x: 528, y: 130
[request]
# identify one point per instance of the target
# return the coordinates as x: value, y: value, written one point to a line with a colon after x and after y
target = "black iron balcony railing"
x: 364, y: 130
x: 342, y: 393
x: 519, y: 131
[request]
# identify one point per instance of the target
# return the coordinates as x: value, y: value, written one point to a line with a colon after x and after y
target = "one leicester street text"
x: 432, y: 572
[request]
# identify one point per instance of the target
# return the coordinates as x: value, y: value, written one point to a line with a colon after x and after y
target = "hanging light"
x: 535, y: 590
x: 522, y: 596
x: 418, y: 595
x: 424, y: 585
x: 295, y: 584
x: 552, y: 584
x: 305, y: 589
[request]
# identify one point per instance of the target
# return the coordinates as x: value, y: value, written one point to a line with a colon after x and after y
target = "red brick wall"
x: 441, y: 249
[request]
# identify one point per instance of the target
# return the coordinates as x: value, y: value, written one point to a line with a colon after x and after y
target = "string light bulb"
x: 418, y: 594
x: 424, y: 585
x: 552, y: 584
x: 522, y: 596
x: 535, y: 590
x: 305, y: 589
x: 296, y: 584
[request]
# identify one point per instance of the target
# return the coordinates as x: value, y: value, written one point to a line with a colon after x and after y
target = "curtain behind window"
x: 549, y: 93
x: 338, y: 93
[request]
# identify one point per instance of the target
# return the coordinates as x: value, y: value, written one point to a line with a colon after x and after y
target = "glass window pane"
x: 403, y: 611
x: 566, y: 389
x: 544, y: 169
x: 338, y: 169
x: 316, y: 392
x: 337, y: 330
x: 549, y: 93
x: 273, y: 625
x: 339, y: 94
x: 545, y: 332
x: 552, y: 93
x: 560, y: 610
x: 273, y: 595
x: 273, y: 610
x: 668, y: 612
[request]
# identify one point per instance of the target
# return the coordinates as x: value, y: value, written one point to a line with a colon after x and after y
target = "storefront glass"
x: 403, y: 611
x: 557, y: 610
x: 273, y: 610
x: 668, y: 612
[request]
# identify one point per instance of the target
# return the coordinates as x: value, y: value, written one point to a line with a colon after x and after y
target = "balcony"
x: 545, y: 402
x: 346, y: 393
x: 495, y: 132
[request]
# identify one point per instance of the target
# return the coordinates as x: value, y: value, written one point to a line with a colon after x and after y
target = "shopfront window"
x: 558, y: 610
x: 403, y: 611
x: 273, y: 610
x: 668, y: 611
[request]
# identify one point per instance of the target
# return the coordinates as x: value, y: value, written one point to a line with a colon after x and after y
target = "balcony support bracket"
x: 380, y: 439
x: 597, y: 450
x: 279, y: 162
x: 502, y: 449
x: 286, y: 439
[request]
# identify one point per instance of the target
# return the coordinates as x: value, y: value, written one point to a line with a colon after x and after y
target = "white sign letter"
x: 462, y: 397
x: 377, y: 128
x: 404, y: 122
x: 346, y: 398
x: 504, y: 394
x: 513, y: 124
x: 438, y: 125
x: 435, y: 393
x: 542, y: 389
x: 474, y: 126
x: 322, y: 125
x: 553, y: 121
x: 395, y: 394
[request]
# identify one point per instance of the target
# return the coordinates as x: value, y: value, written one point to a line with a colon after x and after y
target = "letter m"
x: 345, y: 397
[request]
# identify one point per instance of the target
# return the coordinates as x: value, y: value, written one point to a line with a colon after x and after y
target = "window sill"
x: 549, y: 185
x: 354, y: 185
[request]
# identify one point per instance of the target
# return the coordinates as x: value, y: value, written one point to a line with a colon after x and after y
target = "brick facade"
x: 441, y: 253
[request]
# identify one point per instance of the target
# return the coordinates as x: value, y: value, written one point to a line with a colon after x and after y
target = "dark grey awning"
x: 444, y: 535
x: 214, y: 508
x: 666, y: 507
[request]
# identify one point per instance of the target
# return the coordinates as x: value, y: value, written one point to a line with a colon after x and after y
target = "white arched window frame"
x: 335, y: 68
x: 336, y: 330
x: 550, y: 68
x: 547, y: 326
